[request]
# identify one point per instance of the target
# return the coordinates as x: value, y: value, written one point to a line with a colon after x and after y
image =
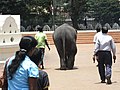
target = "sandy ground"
x: 84, y: 76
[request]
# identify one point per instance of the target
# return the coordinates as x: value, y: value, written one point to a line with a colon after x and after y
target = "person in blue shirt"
x: 22, y: 72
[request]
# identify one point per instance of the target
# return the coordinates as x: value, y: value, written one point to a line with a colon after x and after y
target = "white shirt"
x: 96, y: 35
x: 105, y: 43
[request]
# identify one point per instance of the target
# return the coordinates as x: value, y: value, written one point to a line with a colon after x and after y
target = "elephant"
x: 64, y: 38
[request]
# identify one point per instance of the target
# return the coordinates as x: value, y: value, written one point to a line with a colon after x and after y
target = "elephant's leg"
x: 70, y: 62
x: 62, y: 60
x: 66, y: 60
x: 71, y: 57
x: 59, y: 47
x: 62, y: 64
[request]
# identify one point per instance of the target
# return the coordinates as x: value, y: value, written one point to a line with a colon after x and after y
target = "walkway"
x: 84, y: 76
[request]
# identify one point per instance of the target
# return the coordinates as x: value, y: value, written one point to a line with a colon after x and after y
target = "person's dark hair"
x: 26, y: 44
x: 36, y: 56
x: 40, y: 28
x: 104, y: 30
x: 98, y: 29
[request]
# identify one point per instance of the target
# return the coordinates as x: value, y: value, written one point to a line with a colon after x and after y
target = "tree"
x: 77, y: 11
x: 105, y: 11
x: 13, y: 7
x: 30, y: 10
x: 39, y: 11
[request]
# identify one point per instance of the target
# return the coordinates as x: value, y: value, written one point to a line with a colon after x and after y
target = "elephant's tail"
x: 63, y: 39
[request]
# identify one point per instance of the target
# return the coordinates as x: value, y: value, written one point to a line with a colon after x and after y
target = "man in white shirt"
x: 98, y: 30
x: 103, y: 47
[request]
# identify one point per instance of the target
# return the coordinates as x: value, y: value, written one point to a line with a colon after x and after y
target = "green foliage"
x: 13, y: 7
x: 39, y: 11
x: 105, y: 11
x: 30, y: 10
x: 78, y: 9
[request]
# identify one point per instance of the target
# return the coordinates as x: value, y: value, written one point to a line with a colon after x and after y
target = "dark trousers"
x: 42, y: 56
x: 104, y: 64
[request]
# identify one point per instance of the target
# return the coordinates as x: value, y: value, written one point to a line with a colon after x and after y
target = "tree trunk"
x: 74, y: 14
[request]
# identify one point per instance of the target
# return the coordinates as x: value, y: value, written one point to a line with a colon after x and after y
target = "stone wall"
x: 83, y: 37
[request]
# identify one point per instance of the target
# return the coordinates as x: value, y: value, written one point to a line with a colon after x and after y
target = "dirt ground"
x: 84, y: 76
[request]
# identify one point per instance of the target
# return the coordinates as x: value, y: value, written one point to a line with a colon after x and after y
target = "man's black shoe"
x: 103, y: 81
x: 108, y: 80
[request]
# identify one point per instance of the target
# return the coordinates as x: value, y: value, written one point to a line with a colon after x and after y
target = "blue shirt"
x: 20, y: 79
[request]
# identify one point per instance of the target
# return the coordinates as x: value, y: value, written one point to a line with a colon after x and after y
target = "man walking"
x: 103, y: 47
x: 98, y: 33
x: 42, y: 41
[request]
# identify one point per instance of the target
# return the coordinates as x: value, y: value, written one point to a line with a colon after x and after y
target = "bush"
x: 115, y: 26
x: 98, y: 25
x: 108, y: 26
